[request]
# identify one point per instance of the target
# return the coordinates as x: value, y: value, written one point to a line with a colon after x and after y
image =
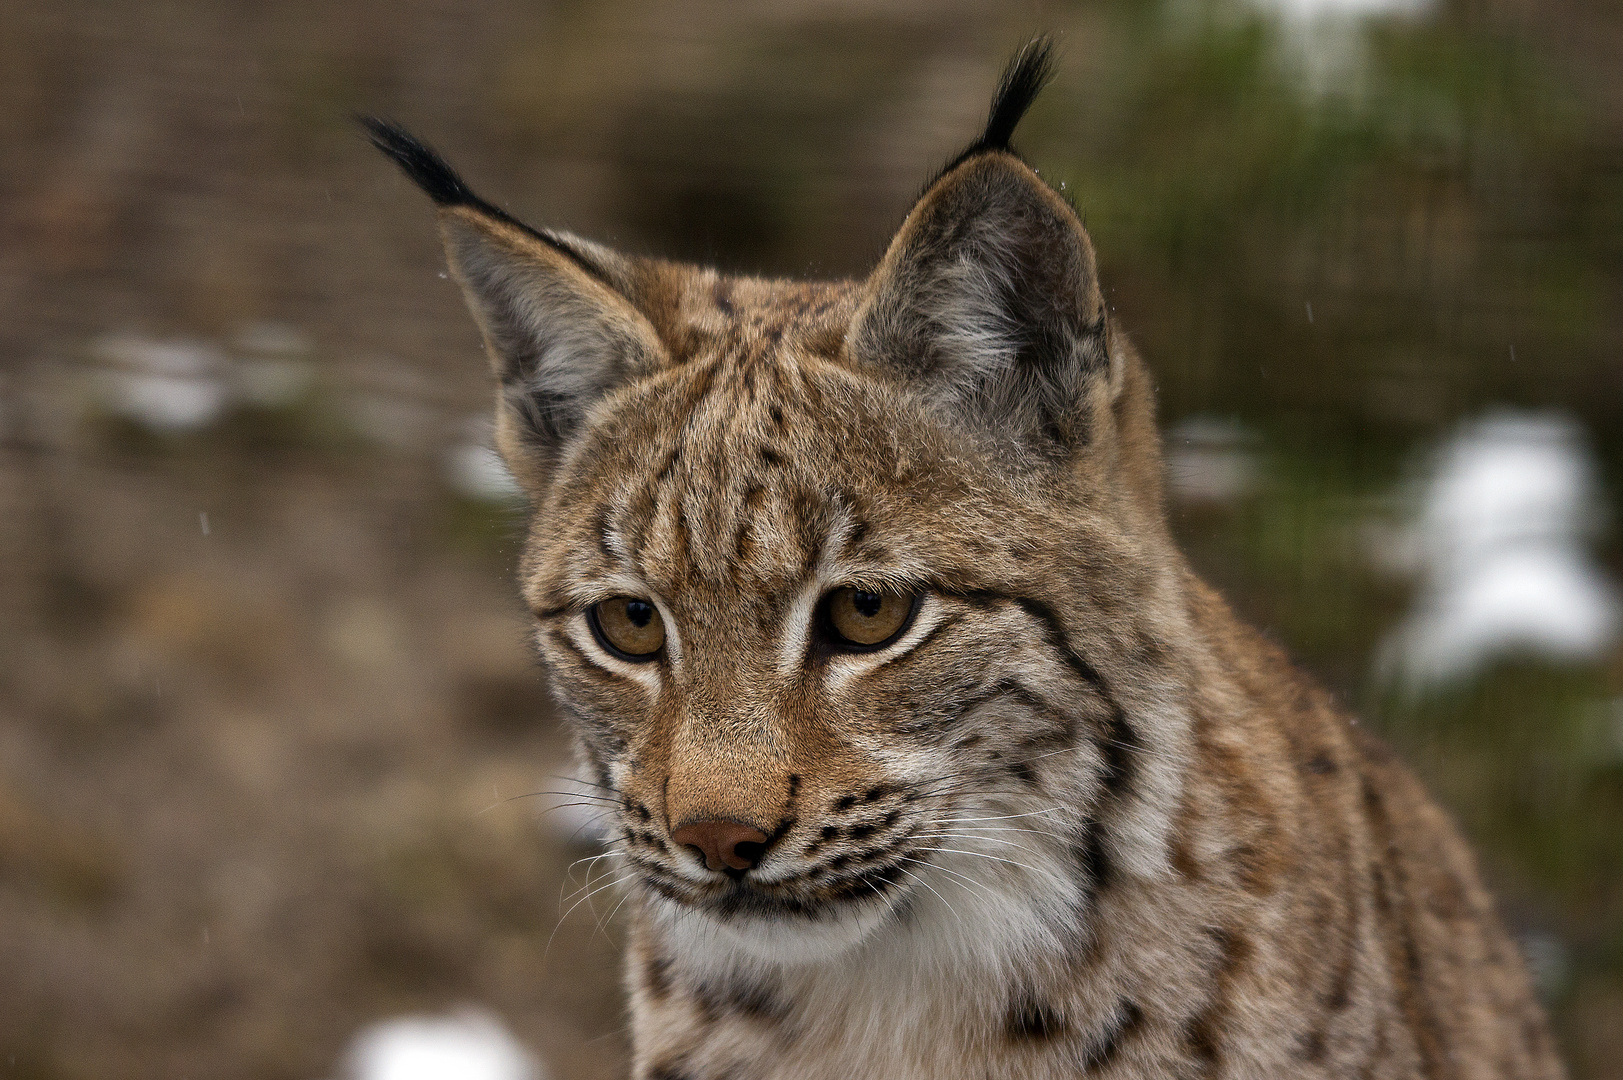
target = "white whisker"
x: 927, y: 885
x: 982, y: 854
x: 562, y: 918
x: 953, y: 873
x: 970, y: 836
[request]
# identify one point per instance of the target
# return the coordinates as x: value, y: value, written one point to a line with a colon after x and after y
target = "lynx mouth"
x: 805, y: 898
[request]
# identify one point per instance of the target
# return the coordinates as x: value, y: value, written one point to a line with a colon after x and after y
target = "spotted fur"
x: 1078, y: 820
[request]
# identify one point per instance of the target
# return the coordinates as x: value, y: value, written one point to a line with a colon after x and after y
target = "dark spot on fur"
x: 1102, y: 1050
x: 892, y: 818
x: 754, y: 1000
x: 845, y: 803
x: 1022, y: 771
x: 967, y: 742
x: 1093, y: 864
x: 1033, y: 1021
x: 875, y: 793
x: 642, y: 812
x: 862, y: 832
x: 838, y: 861
x: 770, y: 456
x: 669, y: 1070
x: 656, y: 975
x: 1202, y: 1035
x: 1383, y: 901
x: 830, y: 832
x: 1321, y: 765
x: 1201, y: 1040
x: 1183, y: 861
x: 665, y: 472
x: 794, y: 784
x: 722, y: 294
x: 1340, y: 994
x: 1256, y: 866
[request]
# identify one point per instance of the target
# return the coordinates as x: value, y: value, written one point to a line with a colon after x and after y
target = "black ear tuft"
x: 426, y: 168
x: 430, y: 172
x: 1027, y: 73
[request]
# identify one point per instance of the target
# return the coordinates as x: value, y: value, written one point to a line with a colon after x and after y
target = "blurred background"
x: 269, y: 727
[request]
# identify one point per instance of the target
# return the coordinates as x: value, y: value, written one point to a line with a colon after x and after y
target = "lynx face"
x: 769, y: 600
x: 823, y: 572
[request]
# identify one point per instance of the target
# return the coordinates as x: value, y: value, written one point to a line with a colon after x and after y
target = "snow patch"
x: 1210, y: 460
x: 1501, y: 541
x: 1319, y: 10
x: 272, y: 367
x: 470, y: 1044
x: 1326, y: 40
x: 476, y: 471
x: 166, y: 386
x: 180, y: 385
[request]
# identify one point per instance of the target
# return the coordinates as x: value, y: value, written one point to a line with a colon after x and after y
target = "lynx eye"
x: 864, y: 619
x: 627, y: 627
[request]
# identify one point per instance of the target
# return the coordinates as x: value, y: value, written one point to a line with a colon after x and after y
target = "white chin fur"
x: 989, y: 923
x: 782, y: 942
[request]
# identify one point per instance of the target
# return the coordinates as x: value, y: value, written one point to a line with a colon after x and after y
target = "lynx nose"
x: 723, y: 843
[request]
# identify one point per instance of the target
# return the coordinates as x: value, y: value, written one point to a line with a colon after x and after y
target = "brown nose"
x: 724, y: 843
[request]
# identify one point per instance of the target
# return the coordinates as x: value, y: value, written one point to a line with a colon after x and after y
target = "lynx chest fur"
x: 928, y: 755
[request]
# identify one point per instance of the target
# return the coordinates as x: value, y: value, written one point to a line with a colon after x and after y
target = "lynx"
x: 928, y: 755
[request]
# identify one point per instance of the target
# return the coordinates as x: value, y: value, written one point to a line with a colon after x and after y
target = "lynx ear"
x: 988, y: 303
x: 555, y: 311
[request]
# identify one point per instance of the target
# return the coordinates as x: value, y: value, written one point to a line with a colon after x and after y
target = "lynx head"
x: 858, y: 594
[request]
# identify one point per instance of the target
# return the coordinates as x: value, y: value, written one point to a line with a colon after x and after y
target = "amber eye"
x: 628, y: 627
x: 864, y: 619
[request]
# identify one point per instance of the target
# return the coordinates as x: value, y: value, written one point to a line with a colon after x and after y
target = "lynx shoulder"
x: 929, y: 754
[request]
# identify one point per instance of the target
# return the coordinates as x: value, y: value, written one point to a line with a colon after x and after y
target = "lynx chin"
x: 928, y: 754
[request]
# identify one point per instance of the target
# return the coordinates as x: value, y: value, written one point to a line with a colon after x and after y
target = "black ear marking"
x: 1028, y: 71
x: 423, y: 165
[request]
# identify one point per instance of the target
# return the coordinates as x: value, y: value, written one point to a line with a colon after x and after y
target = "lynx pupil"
x: 640, y: 612
x: 867, y: 603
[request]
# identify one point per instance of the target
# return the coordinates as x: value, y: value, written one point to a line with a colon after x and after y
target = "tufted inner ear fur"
x: 987, y: 304
x: 558, y: 332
